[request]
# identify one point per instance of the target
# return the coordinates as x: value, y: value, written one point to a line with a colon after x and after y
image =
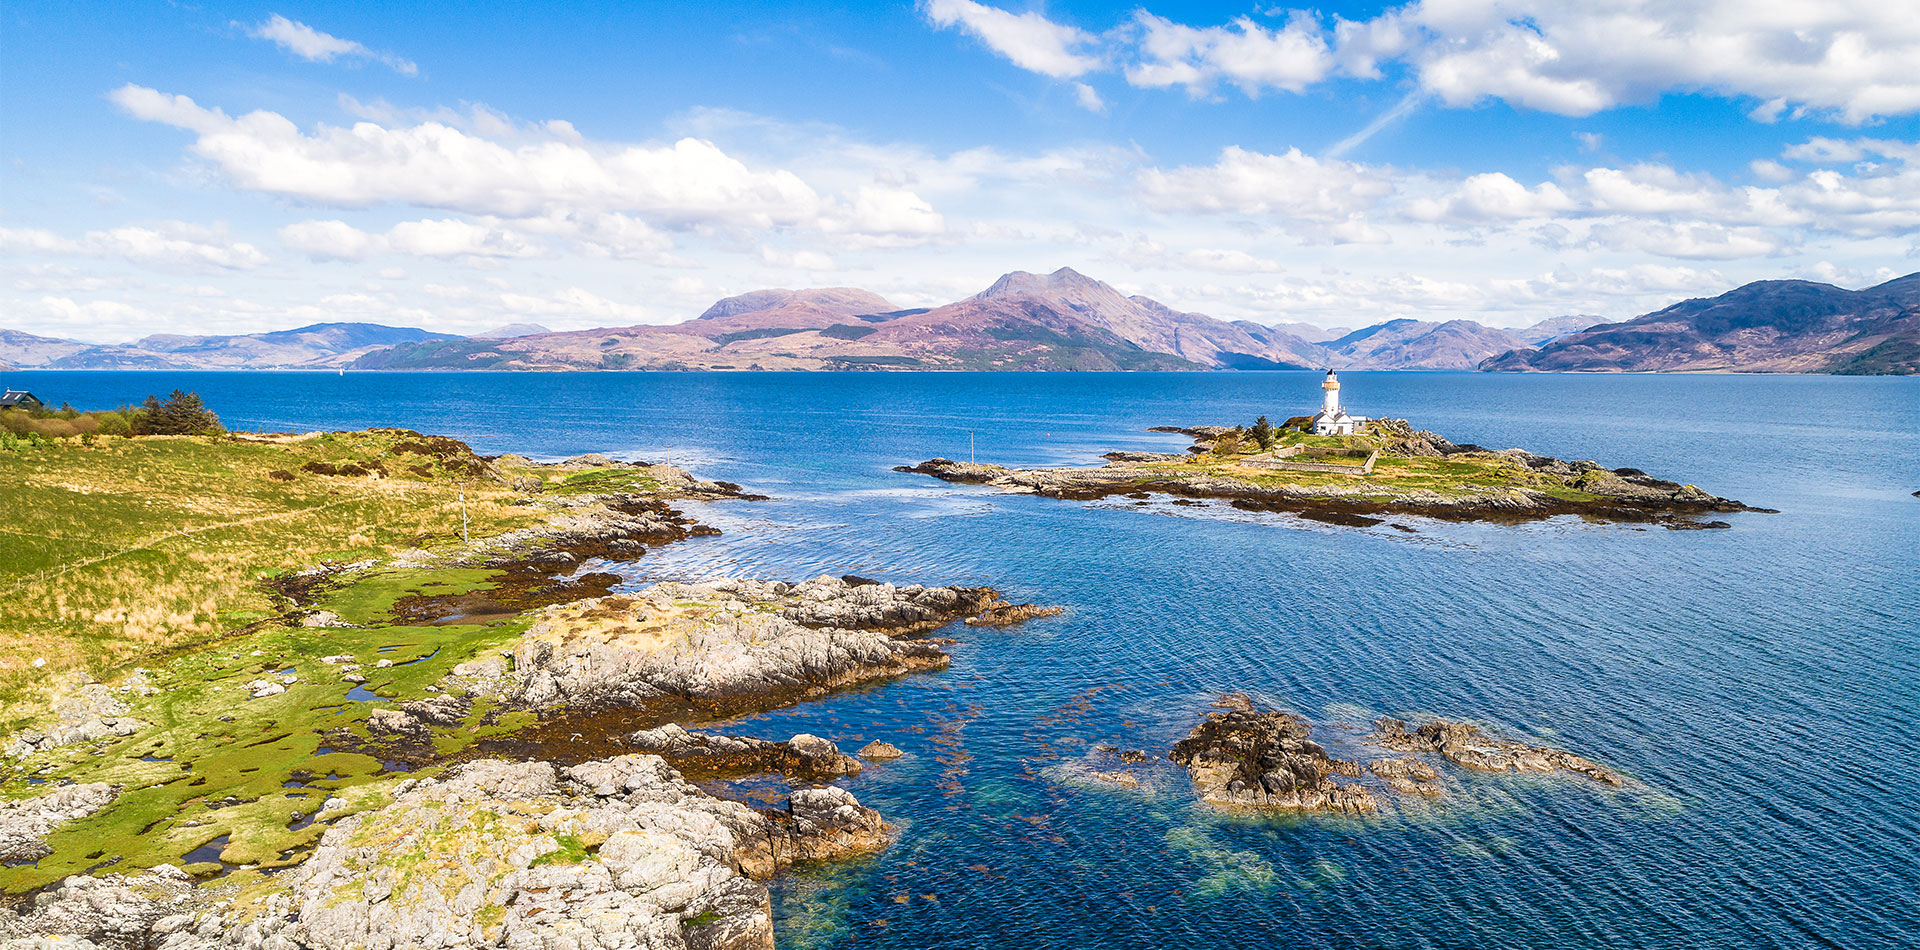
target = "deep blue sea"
x: 1760, y: 685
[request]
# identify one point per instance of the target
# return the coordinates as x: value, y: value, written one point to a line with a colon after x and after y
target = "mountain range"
x: 1769, y: 326
x: 1068, y: 321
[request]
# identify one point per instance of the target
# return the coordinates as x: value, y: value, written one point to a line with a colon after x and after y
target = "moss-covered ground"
x: 156, y: 553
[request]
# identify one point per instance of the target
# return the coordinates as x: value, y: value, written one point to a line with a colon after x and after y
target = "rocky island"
x: 1245, y: 757
x: 371, y: 689
x: 1385, y: 467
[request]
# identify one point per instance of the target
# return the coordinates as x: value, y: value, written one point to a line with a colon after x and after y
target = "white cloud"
x: 1150, y: 254
x: 690, y: 184
x: 1028, y: 40
x: 1851, y: 58
x: 1244, y: 53
x: 1696, y: 240
x: 316, y: 47
x: 1320, y: 199
x: 173, y: 245
x: 1089, y: 98
x: 441, y: 238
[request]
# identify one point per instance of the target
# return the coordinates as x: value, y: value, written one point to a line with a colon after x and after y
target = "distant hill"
x: 512, y: 330
x: 1418, y: 344
x: 1059, y: 321
x: 1553, y: 328
x: 1770, y: 326
x: 319, y: 346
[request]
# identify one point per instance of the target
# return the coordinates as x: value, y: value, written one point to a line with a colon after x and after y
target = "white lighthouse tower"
x: 1333, y: 420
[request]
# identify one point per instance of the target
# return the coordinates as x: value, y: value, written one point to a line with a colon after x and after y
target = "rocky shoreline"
x: 529, y: 836
x: 1530, y: 487
x: 621, y: 852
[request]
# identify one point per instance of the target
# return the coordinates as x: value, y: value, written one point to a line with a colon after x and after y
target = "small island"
x: 1350, y: 470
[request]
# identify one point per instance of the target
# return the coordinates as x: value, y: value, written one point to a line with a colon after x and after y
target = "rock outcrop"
x: 724, y: 646
x: 1244, y: 757
x: 616, y: 853
x: 82, y: 712
x: 25, y: 824
x: 701, y: 753
x: 1464, y: 745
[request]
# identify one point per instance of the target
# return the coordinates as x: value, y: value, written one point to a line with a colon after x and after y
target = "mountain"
x: 322, y: 345
x: 1769, y: 326
x: 512, y: 330
x: 1310, y: 332
x: 1058, y: 321
x: 1418, y: 344
x: 1553, y: 328
x: 23, y: 350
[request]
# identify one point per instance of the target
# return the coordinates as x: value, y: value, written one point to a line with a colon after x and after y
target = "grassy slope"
x: 1447, y: 476
x: 108, y: 573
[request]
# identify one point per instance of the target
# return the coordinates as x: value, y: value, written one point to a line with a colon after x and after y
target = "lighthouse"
x: 1333, y: 420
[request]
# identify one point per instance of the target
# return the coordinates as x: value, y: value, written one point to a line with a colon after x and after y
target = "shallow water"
x: 1760, y: 685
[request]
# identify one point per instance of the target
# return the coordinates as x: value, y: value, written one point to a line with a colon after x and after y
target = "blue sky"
x: 219, y: 168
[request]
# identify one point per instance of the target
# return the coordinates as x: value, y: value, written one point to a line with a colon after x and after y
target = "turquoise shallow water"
x: 1760, y: 685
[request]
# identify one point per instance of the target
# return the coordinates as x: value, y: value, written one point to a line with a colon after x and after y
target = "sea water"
x: 1759, y: 686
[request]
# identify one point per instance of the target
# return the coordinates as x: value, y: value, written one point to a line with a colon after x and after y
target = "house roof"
x: 15, y: 397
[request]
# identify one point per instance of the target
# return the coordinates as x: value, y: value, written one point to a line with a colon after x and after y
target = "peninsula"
x: 331, y: 690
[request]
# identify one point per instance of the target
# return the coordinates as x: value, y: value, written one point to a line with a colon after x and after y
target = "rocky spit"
x: 803, y: 756
x: 1623, y: 494
x: 618, y: 854
x: 1464, y: 745
x: 1246, y: 757
x: 723, y: 646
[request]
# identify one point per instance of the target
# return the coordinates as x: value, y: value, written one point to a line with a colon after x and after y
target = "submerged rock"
x: 1464, y: 745
x: 1242, y: 756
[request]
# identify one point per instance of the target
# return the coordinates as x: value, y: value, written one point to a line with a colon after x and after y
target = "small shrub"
x: 87, y: 439
x: 110, y: 422
x: 1262, y: 433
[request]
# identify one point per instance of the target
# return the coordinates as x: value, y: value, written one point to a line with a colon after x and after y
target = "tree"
x: 1262, y: 432
x: 182, y: 413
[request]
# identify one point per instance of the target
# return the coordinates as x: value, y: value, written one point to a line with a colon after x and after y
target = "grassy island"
x: 1386, y: 468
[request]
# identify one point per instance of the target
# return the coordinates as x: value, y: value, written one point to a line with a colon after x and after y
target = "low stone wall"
x: 1280, y: 459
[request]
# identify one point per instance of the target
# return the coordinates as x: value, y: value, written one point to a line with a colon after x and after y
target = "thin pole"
x: 463, y: 515
x: 970, y: 459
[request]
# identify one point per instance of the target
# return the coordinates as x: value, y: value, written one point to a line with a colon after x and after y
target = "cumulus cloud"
x: 1491, y: 196
x: 1243, y: 53
x: 1028, y: 40
x: 1321, y: 199
x: 316, y: 47
x: 173, y: 245
x: 689, y: 184
x: 1850, y: 58
x: 441, y: 238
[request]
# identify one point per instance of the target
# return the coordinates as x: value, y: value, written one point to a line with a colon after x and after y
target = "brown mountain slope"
x: 1417, y: 344
x: 1063, y: 321
x: 1770, y: 326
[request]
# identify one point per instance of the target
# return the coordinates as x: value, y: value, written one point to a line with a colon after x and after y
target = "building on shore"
x: 20, y: 399
x: 1331, y: 419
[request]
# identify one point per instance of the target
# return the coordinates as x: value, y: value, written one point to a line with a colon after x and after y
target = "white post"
x: 970, y: 460
x: 463, y: 516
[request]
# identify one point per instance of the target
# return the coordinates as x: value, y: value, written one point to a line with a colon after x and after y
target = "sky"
x: 206, y: 168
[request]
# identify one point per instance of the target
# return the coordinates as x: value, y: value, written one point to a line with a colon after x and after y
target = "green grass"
x: 153, y: 553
